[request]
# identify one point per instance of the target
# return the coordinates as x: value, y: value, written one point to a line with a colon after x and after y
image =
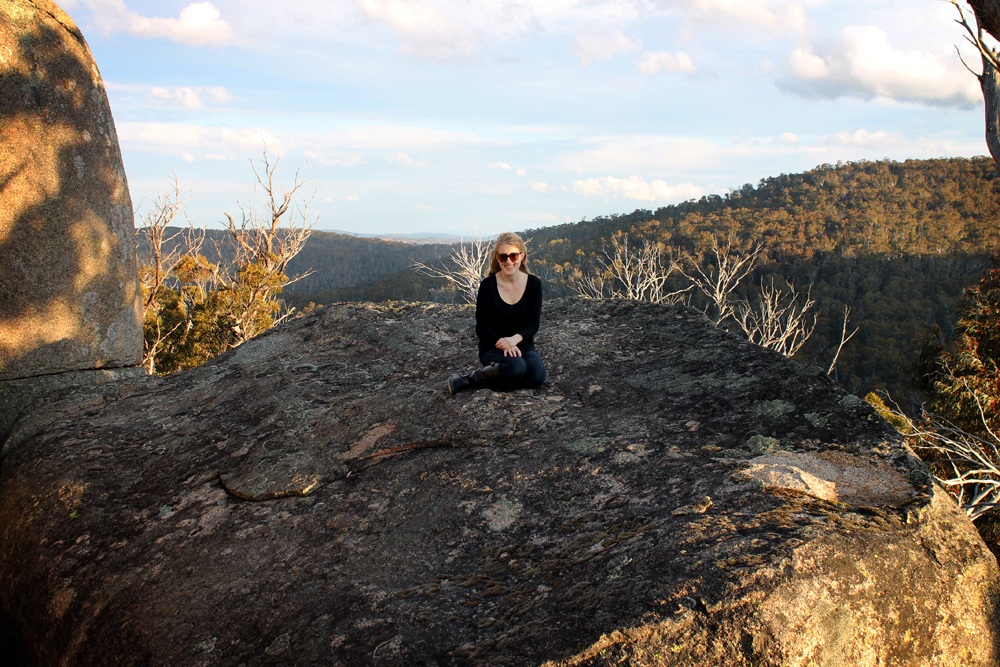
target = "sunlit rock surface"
x: 673, y: 495
x: 69, y: 296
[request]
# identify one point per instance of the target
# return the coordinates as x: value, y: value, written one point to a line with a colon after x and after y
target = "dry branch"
x: 719, y: 281
x: 470, y: 262
x: 776, y: 323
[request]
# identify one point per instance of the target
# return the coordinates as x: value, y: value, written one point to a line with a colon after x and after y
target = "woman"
x: 508, y: 311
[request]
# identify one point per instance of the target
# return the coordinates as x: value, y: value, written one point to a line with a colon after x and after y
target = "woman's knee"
x: 513, y: 368
x: 534, y: 374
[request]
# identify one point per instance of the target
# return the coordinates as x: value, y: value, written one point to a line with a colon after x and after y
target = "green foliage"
x: 196, y: 308
x: 964, y: 382
x: 200, y: 316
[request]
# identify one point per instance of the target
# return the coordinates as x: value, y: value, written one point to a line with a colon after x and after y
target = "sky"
x: 482, y: 116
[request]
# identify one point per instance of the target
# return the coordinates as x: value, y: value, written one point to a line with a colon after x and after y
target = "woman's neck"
x: 513, y: 279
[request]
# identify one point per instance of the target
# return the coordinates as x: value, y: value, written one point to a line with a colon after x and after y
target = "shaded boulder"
x: 673, y: 495
x: 69, y: 295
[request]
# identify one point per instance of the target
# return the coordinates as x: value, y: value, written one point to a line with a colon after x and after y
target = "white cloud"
x: 863, y: 63
x: 218, y: 95
x: 540, y: 217
x: 187, y: 157
x: 521, y: 171
x: 635, y: 187
x: 597, y: 44
x: 335, y: 158
x: 342, y: 149
x: 222, y: 142
x: 395, y: 137
x: 191, y: 98
x: 644, y: 153
x: 652, y: 62
x: 422, y: 30
x: 402, y: 159
x: 531, y: 128
x: 771, y: 16
x: 499, y: 165
x: 865, y: 139
x: 199, y: 24
x: 788, y: 138
x: 541, y: 186
x: 805, y: 65
x: 349, y: 197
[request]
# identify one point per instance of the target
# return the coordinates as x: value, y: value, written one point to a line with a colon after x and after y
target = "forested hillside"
x: 897, y: 242
x: 340, y: 260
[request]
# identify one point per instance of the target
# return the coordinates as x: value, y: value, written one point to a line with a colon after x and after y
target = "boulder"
x: 69, y: 295
x: 673, y: 495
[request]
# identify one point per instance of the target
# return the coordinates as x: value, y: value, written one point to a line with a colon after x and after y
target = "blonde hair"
x: 508, y: 238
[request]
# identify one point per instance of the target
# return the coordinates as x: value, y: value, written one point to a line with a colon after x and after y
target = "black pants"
x: 522, y: 372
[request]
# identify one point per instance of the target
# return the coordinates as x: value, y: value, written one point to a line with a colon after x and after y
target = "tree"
x: 776, y: 323
x: 987, y: 17
x: 966, y: 464
x: 265, y: 241
x: 719, y: 279
x: 636, y: 274
x: 957, y: 431
x: 196, y: 308
x: 469, y: 263
x: 964, y: 382
x: 163, y: 251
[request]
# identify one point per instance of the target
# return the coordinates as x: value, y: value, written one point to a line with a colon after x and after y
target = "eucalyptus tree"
x: 987, y: 19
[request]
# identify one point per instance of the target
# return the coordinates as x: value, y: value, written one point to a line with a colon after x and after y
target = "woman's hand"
x: 509, y: 345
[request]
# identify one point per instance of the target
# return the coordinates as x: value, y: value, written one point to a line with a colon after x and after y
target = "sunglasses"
x: 514, y: 256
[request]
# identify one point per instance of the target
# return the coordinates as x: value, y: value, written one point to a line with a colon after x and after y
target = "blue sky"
x: 493, y: 115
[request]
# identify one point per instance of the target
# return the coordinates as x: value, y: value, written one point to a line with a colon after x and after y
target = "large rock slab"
x: 69, y: 294
x: 672, y: 496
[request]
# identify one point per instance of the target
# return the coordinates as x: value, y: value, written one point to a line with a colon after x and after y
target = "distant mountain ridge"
x: 417, y: 237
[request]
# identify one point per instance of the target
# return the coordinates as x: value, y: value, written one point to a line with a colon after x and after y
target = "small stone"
x: 296, y: 474
x: 278, y: 646
x: 761, y: 444
x: 699, y: 507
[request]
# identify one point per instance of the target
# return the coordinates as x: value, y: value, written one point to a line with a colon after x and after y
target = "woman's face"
x: 509, y: 267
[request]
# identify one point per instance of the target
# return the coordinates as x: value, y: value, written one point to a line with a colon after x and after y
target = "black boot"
x: 473, y: 379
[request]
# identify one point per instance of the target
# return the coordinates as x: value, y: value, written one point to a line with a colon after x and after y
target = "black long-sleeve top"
x: 496, y: 319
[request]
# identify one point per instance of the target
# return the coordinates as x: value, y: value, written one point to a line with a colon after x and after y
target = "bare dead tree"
x: 470, y: 261
x: 718, y: 281
x: 274, y: 236
x: 844, y: 337
x: 591, y: 286
x: 987, y: 17
x: 778, y: 322
x: 163, y: 250
x: 635, y: 274
x: 161, y: 254
x: 972, y: 462
x: 265, y: 240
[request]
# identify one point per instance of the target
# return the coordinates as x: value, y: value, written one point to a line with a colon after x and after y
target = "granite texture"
x: 69, y: 292
x: 673, y: 495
